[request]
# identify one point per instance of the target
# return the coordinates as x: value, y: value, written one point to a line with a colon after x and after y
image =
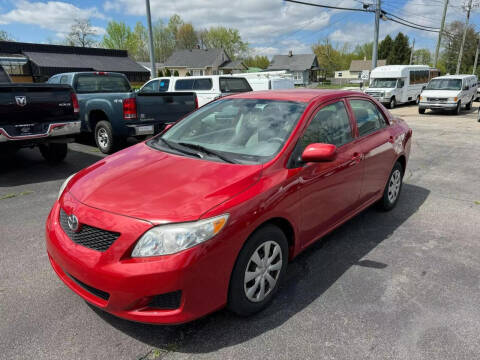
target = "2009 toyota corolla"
x: 209, y: 213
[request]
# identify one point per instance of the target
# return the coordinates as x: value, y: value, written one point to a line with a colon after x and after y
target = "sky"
x: 270, y: 26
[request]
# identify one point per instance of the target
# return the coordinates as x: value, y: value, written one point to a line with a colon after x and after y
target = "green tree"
x: 227, y: 39
x: 141, y: 53
x: 449, y: 56
x: 168, y: 72
x: 422, y: 57
x: 4, y: 36
x: 401, y: 50
x: 174, y: 24
x: 163, y: 41
x: 364, y: 51
x: 82, y: 33
x: 385, y: 48
x: 186, y: 38
x: 259, y: 61
x: 188, y: 74
x: 160, y: 73
x: 119, y: 35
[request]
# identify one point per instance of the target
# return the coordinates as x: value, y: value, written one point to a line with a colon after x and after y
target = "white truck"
x: 398, y: 84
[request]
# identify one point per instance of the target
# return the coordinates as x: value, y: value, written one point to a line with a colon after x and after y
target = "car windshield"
x: 247, y: 131
x: 384, y: 83
x: 445, y: 84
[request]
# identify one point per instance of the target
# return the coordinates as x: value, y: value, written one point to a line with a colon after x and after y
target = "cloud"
x: 57, y: 16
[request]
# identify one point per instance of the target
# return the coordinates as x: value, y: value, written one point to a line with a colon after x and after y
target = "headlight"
x: 173, y: 238
x: 454, y: 99
x: 64, y: 185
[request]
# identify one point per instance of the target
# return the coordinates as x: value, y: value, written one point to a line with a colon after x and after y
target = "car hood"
x: 441, y: 93
x: 159, y: 187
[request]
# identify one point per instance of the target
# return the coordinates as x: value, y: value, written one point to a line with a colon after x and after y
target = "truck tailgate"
x: 35, y: 104
x: 165, y: 107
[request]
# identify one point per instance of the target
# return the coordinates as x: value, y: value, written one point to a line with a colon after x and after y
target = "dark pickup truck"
x: 40, y: 115
x: 112, y: 111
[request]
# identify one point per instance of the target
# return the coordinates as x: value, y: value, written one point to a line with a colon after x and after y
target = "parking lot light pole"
x: 153, y: 70
x: 375, y: 36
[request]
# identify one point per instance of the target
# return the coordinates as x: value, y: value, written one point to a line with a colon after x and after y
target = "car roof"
x: 454, y: 76
x: 198, y: 77
x: 298, y: 95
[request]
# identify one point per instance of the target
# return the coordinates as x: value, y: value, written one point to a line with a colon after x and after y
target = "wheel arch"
x: 286, y: 227
x: 403, y: 161
x: 95, y: 116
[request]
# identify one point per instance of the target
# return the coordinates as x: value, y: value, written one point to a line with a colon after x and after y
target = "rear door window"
x: 234, y: 85
x: 368, y: 117
x: 202, y: 84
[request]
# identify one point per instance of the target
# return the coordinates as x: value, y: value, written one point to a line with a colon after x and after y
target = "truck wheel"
x: 417, y: 100
x: 469, y: 105
x: 392, y: 103
x: 458, y: 108
x: 104, y: 137
x: 421, y: 110
x: 54, y: 153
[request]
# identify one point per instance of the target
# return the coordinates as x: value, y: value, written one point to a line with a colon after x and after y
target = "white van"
x: 449, y: 92
x: 397, y: 84
x: 207, y: 88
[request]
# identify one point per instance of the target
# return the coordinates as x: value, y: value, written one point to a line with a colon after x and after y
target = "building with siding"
x: 28, y: 62
x: 303, y: 67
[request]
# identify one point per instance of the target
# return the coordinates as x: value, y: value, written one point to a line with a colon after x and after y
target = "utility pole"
x: 476, y: 59
x: 460, y: 55
x: 153, y: 70
x: 411, y: 53
x: 440, y: 33
x: 375, y: 37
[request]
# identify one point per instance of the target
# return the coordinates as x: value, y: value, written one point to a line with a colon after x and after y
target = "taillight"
x: 196, y: 102
x: 129, y: 109
x: 102, y: 73
x: 76, y: 107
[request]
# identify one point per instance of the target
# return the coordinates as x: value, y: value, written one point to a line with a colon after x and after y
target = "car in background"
x: 37, y: 115
x: 207, y: 88
x: 112, y: 111
x: 449, y: 92
x: 210, y: 212
x: 398, y: 84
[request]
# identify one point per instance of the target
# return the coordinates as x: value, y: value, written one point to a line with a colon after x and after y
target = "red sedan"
x: 209, y: 213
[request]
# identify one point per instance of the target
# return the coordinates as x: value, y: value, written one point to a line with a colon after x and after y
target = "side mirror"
x: 319, y: 153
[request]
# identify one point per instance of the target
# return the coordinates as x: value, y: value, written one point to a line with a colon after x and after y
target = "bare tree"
x: 82, y: 33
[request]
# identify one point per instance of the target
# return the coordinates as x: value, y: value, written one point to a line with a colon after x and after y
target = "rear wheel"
x: 393, y: 188
x: 53, y: 153
x: 469, y: 105
x: 104, y: 137
x: 259, y: 269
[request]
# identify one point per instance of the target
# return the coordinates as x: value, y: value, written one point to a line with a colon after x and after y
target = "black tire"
x: 458, y: 109
x: 54, y: 153
x: 388, y: 202
x: 469, y: 105
x: 392, y: 103
x: 104, y: 137
x: 238, y: 302
x: 417, y: 100
x: 421, y: 110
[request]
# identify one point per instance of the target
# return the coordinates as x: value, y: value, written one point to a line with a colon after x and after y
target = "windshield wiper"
x: 178, y: 148
x: 208, y: 152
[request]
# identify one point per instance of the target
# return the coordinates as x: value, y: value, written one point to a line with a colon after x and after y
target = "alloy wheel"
x: 263, y: 270
x: 394, y: 186
x: 102, y: 137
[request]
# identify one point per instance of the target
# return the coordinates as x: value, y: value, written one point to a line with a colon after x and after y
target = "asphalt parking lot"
x: 397, y: 285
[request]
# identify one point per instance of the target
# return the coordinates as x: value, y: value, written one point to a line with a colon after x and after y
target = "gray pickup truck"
x: 112, y: 111
x: 37, y: 115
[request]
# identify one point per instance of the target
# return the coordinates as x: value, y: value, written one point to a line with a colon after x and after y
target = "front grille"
x: 436, y: 99
x: 375, y: 94
x: 168, y: 301
x: 99, y: 293
x: 88, y: 236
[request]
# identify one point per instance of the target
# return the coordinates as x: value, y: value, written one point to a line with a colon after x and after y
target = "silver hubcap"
x: 394, y: 186
x: 263, y: 270
x: 102, y: 138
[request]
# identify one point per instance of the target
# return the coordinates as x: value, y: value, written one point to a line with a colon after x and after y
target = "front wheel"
x: 458, y: 108
x: 421, y: 110
x: 392, y: 103
x: 417, y: 101
x: 393, y: 188
x: 53, y: 153
x: 259, y: 269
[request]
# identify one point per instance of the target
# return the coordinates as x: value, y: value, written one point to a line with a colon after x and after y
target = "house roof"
x: 84, y: 62
x: 197, y: 58
x: 298, y: 62
x: 234, y: 65
x: 360, y: 65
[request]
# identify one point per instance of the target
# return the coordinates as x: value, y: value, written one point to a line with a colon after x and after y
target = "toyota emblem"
x: 73, y: 223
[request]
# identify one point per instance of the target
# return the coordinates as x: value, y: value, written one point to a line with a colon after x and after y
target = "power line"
x: 328, y: 6
x: 410, y: 22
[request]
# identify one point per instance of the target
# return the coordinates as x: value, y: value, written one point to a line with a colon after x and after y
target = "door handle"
x: 391, y: 139
x: 356, y: 158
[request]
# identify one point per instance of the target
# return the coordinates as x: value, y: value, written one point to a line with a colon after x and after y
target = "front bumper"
x: 430, y: 105
x: 53, y: 130
x: 131, y: 283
